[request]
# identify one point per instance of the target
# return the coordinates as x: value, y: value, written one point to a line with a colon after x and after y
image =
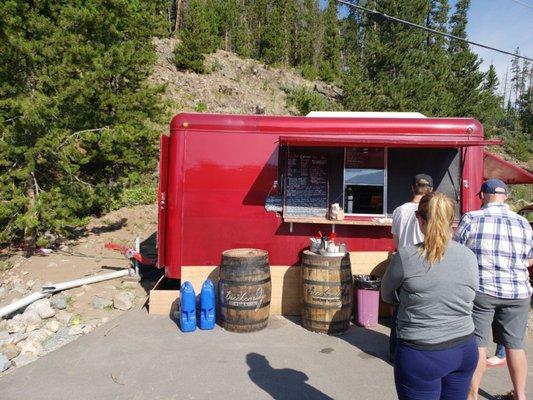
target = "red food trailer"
x: 232, y: 181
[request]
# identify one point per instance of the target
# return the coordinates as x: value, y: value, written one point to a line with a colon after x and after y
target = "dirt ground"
x: 85, y: 257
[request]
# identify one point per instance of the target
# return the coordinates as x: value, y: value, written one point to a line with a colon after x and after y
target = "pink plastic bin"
x: 366, y: 307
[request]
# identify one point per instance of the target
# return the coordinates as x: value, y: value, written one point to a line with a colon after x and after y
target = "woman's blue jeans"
x: 434, y: 374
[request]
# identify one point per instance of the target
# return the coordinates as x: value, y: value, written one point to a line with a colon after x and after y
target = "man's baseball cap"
x: 423, y: 180
x: 493, y: 186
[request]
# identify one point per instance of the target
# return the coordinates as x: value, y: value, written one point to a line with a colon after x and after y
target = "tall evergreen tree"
x: 395, y: 57
x: 243, y: 37
x: 350, y: 36
x: 258, y: 11
x: 491, y: 80
x: 330, y: 64
x: 228, y: 21
x: 466, y: 77
x: 440, y: 102
x: 198, y: 36
x: 275, y: 40
x: 74, y: 111
x: 516, y: 77
x: 310, y: 39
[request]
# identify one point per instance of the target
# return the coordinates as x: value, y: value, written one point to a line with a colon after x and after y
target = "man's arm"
x: 392, y: 280
x: 463, y: 230
x: 394, y: 227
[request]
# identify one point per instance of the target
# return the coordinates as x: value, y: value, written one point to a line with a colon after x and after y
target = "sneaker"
x: 495, y: 361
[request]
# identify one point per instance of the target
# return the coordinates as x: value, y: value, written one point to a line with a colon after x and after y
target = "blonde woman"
x: 436, y: 282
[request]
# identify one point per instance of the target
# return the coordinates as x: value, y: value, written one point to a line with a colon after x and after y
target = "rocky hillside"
x: 234, y: 85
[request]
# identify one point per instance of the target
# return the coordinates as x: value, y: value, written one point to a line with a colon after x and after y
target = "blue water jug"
x: 187, y: 308
x: 207, y: 305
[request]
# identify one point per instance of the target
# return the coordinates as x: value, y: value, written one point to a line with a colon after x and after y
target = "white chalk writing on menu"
x: 307, y: 185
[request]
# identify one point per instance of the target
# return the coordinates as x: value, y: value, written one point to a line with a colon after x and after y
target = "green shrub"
x: 216, y: 66
x: 306, y: 100
x: 201, y: 107
x: 309, y: 72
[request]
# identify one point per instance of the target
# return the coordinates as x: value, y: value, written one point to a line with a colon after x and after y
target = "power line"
x: 425, y: 28
x: 523, y: 4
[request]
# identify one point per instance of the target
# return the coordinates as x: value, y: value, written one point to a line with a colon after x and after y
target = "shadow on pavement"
x: 285, y: 383
x: 371, y: 342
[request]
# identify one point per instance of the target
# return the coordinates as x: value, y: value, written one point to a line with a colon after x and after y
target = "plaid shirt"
x: 501, y: 240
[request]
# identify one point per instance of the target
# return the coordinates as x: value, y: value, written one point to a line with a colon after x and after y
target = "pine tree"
x: 243, y: 38
x: 228, y: 17
x: 275, y: 40
x: 439, y: 102
x: 74, y: 111
x: 491, y: 80
x: 396, y: 60
x: 466, y: 78
x: 358, y: 90
x: 516, y: 76
x: 198, y: 36
x: 257, y: 11
x: 350, y: 36
x: 330, y: 63
x: 310, y: 39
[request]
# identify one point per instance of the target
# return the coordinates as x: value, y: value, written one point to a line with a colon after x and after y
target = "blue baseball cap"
x: 493, y: 186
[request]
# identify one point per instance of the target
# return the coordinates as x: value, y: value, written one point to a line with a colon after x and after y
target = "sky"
x: 504, y: 24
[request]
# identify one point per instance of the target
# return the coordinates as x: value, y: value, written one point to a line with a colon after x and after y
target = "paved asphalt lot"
x: 139, y: 356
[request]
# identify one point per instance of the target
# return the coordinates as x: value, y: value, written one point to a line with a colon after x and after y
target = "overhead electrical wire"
x: 523, y: 4
x: 425, y: 28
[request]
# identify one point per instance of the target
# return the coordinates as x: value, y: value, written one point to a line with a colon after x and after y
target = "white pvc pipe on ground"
x: 47, y: 290
x: 21, y: 303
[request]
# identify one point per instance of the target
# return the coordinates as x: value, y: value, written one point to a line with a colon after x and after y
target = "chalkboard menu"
x: 306, y: 193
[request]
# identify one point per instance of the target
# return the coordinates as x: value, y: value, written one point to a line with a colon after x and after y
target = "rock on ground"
x: 4, y: 337
x: 15, y: 325
x: 23, y: 359
x: 10, y: 350
x: 100, y: 303
x: 43, y: 308
x: 59, y: 302
x: 4, y: 363
x: 57, y: 340
x: 31, y: 317
x: 76, y: 330
x: 63, y: 317
x: 123, y: 300
x: 52, y: 326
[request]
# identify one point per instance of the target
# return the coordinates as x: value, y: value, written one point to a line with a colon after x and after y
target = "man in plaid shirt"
x: 502, y: 242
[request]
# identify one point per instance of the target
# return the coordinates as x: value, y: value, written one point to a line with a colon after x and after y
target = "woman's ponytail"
x: 438, y: 211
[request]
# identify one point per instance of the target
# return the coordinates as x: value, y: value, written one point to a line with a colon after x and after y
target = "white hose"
x: 47, y: 290
x: 21, y: 303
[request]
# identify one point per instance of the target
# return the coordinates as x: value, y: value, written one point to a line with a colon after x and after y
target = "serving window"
x: 365, y: 183
x: 365, y: 180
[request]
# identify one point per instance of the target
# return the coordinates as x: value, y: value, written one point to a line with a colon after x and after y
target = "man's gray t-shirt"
x: 435, y: 301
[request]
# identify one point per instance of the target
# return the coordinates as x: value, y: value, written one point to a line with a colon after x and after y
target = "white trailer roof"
x: 364, y: 114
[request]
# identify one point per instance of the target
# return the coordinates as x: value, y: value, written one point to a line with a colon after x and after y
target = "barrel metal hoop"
x: 322, y: 283
x: 244, y: 283
x: 242, y: 323
x: 229, y: 306
x: 322, y: 307
x: 346, y: 322
x: 342, y: 267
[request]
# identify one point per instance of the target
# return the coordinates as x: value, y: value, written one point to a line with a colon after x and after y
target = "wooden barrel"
x: 244, y: 290
x: 327, y: 293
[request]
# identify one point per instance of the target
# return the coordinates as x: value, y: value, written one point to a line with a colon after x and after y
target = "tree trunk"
x: 30, y: 234
x: 179, y: 9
